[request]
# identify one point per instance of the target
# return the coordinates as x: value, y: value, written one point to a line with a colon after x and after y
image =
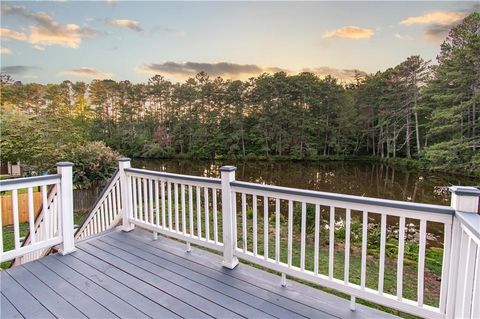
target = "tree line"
x: 415, y: 110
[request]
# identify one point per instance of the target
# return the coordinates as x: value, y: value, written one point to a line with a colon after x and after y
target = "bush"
x: 94, y: 162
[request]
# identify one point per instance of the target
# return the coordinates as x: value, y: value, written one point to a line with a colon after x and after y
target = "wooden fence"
x: 7, y: 207
x: 82, y: 201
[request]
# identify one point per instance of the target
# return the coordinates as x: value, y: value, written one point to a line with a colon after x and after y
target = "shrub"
x: 94, y: 162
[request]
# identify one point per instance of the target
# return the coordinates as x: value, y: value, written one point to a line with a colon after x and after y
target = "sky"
x: 48, y: 42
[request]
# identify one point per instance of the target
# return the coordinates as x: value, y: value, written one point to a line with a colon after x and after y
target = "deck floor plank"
x: 214, y: 293
x: 7, y: 310
x: 215, y: 281
x: 48, y: 297
x: 112, y: 277
x: 130, y: 275
x: 294, y: 291
x: 69, y: 292
x: 21, y: 299
x: 94, y: 290
x: 200, y: 299
x: 180, y: 259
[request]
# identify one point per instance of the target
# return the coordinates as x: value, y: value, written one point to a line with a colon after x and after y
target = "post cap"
x: 124, y: 159
x: 465, y: 190
x: 228, y: 169
x: 64, y: 164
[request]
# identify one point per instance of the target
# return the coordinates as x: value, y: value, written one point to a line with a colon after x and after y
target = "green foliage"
x: 93, y: 162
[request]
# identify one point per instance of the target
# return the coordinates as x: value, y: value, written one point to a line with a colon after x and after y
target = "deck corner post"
x: 126, y: 200
x: 229, y: 258
x: 66, y: 202
x: 465, y: 199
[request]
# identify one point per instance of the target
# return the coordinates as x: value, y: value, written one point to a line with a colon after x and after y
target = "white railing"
x: 46, y: 219
x: 55, y: 224
x: 267, y: 225
x: 105, y: 213
x: 337, y: 208
x: 180, y: 206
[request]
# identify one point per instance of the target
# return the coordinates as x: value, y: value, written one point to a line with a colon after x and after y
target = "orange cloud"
x: 350, y: 32
x: 437, y: 17
x: 10, y: 34
x: 46, y: 30
x: 87, y: 72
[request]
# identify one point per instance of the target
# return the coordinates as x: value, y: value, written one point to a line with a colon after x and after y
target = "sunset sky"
x: 49, y: 42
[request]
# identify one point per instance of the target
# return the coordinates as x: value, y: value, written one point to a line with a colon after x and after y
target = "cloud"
x: 87, y: 72
x: 18, y: 69
x: 403, y: 37
x: 39, y: 48
x: 186, y: 69
x: 10, y: 34
x: 5, y: 51
x: 438, y: 23
x: 350, y: 32
x: 236, y: 71
x: 347, y: 75
x: 125, y: 23
x: 47, y: 31
x: 170, y: 31
x: 436, y: 17
x: 437, y: 32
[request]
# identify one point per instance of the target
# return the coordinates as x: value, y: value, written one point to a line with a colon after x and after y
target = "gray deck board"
x: 49, y: 298
x: 183, y: 259
x: 88, y: 306
x: 252, y: 295
x: 245, y: 304
x: 140, y: 294
x: 93, y: 289
x: 23, y: 301
x: 7, y: 310
x: 301, y: 294
x: 198, y: 301
x: 130, y: 275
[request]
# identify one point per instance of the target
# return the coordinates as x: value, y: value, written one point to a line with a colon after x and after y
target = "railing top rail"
x: 190, y: 178
x: 348, y: 198
x: 8, y: 184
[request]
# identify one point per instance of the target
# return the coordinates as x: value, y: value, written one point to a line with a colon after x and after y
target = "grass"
x: 8, y: 236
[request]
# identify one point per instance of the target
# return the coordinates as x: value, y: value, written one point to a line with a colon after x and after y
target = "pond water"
x: 345, y: 177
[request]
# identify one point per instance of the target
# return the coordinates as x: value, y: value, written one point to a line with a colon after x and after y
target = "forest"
x: 418, y: 111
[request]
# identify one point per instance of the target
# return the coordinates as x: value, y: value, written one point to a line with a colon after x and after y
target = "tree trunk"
x: 408, y: 134
x: 474, y: 120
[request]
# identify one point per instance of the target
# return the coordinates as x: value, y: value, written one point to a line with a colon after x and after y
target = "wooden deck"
x: 129, y: 275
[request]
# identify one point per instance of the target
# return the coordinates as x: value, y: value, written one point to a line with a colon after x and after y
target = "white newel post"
x: 126, y: 200
x: 66, y: 202
x: 229, y: 258
x: 464, y: 199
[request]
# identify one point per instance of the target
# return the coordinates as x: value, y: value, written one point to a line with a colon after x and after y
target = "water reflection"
x: 353, y: 178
